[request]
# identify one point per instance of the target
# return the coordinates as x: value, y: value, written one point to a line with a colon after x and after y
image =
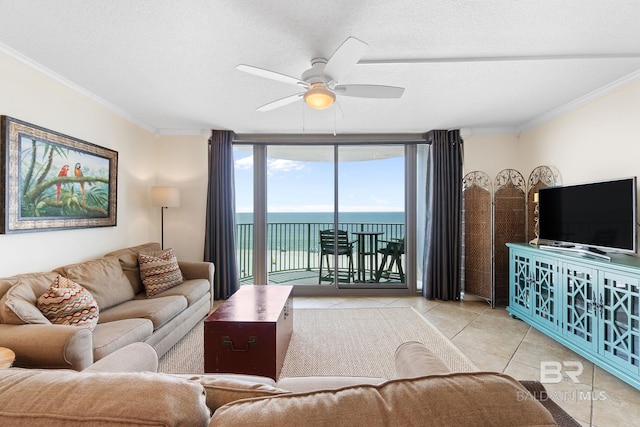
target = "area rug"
x: 354, y: 341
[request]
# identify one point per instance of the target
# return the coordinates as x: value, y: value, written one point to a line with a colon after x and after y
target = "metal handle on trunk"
x: 226, y: 340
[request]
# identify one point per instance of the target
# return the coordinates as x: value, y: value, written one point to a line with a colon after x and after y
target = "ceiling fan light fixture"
x: 319, y: 97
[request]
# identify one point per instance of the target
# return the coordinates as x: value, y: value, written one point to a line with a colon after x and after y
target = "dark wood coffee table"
x: 250, y: 332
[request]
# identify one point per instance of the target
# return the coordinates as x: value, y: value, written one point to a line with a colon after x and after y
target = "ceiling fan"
x: 321, y: 80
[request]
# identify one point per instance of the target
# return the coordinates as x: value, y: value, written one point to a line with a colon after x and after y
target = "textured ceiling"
x: 170, y: 65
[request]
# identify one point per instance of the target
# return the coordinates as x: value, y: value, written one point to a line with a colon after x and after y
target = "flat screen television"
x: 597, y: 216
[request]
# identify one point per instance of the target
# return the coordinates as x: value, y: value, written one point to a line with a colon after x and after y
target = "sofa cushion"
x: 129, y: 262
x: 467, y: 399
x: 158, y: 310
x: 66, y: 398
x: 103, y: 277
x: 315, y: 383
x: 18, y: 306
x: 159, y: 272
x: 67, y: 303
x: 5, y: 284
x: 221, y: 390
x: 193, y: 290
x: 112, y: 336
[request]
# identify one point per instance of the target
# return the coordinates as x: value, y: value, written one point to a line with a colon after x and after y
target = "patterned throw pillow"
x: 159, y: 272
x: 67, y: 303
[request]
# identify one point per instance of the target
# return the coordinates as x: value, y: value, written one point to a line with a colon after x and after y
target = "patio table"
x: 367, y: 248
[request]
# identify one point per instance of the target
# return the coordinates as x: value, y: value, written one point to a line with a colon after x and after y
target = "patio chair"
x: 392, y: 254
x: 329, y: 247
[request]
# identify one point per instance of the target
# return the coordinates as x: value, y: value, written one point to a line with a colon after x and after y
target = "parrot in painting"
x: 78, y: 173
x: 63, y: 172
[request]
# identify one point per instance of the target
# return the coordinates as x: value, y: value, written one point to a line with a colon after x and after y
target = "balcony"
x: 293, y: 250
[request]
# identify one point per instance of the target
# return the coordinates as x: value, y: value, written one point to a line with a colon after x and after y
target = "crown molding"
x: 579, y: 102
x: 73, y: 86
x: 183, y: 132
x: 506, y: 130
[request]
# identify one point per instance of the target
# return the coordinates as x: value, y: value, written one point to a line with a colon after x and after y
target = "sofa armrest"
x: 49, y: 346
x: 136, y: 357
x: 199, y: 270
x: 413, y: 359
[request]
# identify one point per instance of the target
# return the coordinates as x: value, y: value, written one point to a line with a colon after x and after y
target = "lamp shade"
x: 165, y: 197
x: 319, y: 97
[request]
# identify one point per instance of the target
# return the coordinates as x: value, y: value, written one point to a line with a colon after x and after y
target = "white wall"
x: 599, y: 140
x: 28, y: 95
x: 491, y: 154
x: 182, y: 163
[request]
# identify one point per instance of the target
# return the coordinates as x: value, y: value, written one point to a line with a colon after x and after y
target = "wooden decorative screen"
x: 492, y: 215
x: 509, y: 218
x: 477, y: 251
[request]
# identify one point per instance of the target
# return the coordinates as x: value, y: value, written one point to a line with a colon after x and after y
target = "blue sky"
x: 307, y: 186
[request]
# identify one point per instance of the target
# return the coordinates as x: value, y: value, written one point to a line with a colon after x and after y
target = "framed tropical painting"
x: 51, y: 181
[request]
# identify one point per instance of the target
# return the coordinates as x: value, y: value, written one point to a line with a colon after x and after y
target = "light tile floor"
x: 496, y: 342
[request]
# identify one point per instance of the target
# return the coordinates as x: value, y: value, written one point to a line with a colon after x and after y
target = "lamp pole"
x: 164, y: 197
x: 162, y: 208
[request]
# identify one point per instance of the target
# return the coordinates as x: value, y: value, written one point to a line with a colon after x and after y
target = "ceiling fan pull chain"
x: 303, y: 118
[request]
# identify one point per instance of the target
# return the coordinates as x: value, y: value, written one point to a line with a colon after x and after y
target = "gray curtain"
x: 220, y: 227
x: 443, y: 228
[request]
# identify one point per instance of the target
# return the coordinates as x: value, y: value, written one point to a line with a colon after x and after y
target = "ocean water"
x: 326, y: 217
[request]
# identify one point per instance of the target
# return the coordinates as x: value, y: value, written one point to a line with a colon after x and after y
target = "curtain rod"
x: 327, y: 139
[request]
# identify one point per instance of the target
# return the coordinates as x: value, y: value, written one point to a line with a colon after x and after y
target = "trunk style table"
x: 250, y: 332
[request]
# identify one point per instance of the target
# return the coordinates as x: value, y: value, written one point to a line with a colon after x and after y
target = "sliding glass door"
x: 300, y: 203
x: 371, y: 209
x: 244, y: 176
x: 322, y: 216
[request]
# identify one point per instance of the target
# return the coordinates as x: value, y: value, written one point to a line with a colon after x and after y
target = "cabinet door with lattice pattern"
x: 544, y: 291
x: 619, y: 326
x: 579, y: 308
x: 520, y: 283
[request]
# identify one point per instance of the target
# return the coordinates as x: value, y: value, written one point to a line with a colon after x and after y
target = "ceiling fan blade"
x: 345, y: 57
x: 280, y: 102
x: 267, y: 74
x: 370, y: 91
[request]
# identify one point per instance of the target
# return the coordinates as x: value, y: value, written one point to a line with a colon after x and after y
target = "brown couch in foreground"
x: 432, y: 398
x: 126, y: 313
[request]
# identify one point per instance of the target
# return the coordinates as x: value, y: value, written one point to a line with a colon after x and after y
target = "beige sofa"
x: 424, y: 394
x: 126, y: 314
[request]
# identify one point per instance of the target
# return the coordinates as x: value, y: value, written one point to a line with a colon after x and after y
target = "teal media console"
x: 589, y: 304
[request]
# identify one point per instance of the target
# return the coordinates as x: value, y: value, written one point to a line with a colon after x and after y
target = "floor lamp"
x: 164, y: 197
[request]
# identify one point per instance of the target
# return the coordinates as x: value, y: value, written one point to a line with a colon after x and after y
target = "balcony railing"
x: 295, y: 246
